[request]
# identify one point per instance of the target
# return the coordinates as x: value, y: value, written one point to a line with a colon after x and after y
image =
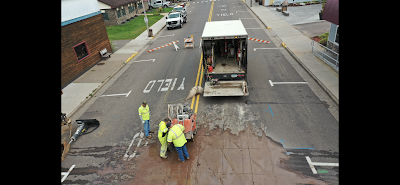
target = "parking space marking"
x: 312, y: 164
x: 126, y: 94
x: 272, y: 83
x: 67, y: 173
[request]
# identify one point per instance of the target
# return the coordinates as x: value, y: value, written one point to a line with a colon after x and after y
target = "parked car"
x: 174, y: 19
x: 182, y: 10
x: 159, y: 3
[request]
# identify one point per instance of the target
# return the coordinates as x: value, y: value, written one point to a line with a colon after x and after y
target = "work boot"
x: 187, y: 158
x: 164, y: 157
x: 151, y: 131
x: 180, y: 160
x: 149, y: 137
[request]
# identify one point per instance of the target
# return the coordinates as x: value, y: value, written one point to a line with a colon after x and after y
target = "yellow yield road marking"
x: 199, y: 75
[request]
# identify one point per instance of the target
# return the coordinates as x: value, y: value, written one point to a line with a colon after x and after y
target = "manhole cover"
x: 99, y: 64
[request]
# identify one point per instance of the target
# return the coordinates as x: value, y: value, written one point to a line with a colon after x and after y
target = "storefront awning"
x: 331, y: 11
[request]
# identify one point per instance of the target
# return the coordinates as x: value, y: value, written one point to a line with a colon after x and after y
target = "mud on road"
x: 216, y: 157
x: 219, y: 157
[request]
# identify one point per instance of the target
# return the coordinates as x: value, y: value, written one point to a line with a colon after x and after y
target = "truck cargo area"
x: 224, y: 46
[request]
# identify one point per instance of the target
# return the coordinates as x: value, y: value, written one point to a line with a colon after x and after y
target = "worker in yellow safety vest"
x: 176, y: 135
x: 162, y: 136
x: 144, y: 115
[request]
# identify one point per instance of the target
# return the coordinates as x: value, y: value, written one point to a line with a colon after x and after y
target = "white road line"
x: 267, y: 48
x: 325, y: 164
x: 272, y: 83
x: 128, y: 93
x: 126, y: 153
x: 240, y: 11
x: 123, y: 94
x: 67, y: 173
x: 253, y: 28
x: 311, y: 165
x: 145, y: 60
x: 246, y: 18
x: 168, y: 35
x: 134, y: 153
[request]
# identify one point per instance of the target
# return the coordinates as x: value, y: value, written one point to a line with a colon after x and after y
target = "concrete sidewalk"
x: 78, y: 92
x: 300, y: 46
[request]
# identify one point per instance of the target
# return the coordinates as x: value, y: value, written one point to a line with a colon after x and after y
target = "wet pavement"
x: 216, y: 157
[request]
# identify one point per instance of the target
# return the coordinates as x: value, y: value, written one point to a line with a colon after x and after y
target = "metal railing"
x: 325, y: 54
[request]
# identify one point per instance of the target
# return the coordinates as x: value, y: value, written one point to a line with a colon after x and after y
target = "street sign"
x: 146, y: 20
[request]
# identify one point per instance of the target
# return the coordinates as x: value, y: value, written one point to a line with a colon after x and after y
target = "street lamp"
x: 145, y: 18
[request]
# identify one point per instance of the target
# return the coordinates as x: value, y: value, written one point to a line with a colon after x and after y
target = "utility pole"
x: 145, y: 18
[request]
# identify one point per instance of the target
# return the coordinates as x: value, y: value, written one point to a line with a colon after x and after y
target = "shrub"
x: 324, y: 35
x: 324, y: 41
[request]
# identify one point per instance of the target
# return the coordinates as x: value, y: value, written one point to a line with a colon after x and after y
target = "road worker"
x: 162, y: 132
x: 175, y: 135
x: 144, y: 115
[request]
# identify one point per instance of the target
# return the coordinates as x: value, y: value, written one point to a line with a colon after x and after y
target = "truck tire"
x: 181, y: 24
x: 165, y: 6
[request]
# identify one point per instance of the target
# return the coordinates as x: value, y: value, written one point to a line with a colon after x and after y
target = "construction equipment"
x: 224, y: 47
x: 185, y: 116
x: 83, y: 127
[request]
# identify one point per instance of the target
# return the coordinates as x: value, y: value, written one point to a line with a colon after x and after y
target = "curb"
x: 108, y: 78
x: 333, y: 98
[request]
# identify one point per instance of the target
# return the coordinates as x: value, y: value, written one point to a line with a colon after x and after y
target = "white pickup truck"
x: 160, y: 3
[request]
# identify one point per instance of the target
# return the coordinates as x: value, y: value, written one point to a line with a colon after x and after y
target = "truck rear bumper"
x: 226, y: 88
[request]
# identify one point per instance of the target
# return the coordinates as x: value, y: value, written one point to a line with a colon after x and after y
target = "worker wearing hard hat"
x: 144, y: 115
x: 162, y: 132
x: 176, y: 136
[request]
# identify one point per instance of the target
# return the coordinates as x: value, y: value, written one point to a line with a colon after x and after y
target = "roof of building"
x: 117, y: 3
x: 331, y: 11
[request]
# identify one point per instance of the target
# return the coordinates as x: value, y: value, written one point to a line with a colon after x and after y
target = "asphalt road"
x: 299, y: 115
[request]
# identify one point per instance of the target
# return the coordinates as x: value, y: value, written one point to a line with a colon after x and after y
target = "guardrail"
x: 325, y: 54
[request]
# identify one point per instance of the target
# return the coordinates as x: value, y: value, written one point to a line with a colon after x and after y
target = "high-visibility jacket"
x: 162, y: 128
x: 144, y: 112
x: 176, y: 135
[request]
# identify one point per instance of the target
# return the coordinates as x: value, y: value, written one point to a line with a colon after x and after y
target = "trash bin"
x: 150, y: 32
x: 284, y: 8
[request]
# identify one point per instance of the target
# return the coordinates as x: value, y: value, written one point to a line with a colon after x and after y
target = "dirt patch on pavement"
x: 219, y: 157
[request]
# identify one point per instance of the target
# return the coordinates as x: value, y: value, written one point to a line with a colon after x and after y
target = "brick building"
x: 83, y: 36
x: 116, y: 12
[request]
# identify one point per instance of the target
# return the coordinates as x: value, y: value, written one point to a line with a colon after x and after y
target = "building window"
x: 81, y: 51
x: 132, y: 7
x: 118, y: 13
x: 140, y: 6
x: 337, y: 35
x: 105, y: 16
x: 123, y: 11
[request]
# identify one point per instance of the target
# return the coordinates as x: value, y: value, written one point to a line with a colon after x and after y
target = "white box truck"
x: 224, y: 47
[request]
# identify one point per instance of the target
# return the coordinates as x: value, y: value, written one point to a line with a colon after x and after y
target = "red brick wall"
x: 93, y: 31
